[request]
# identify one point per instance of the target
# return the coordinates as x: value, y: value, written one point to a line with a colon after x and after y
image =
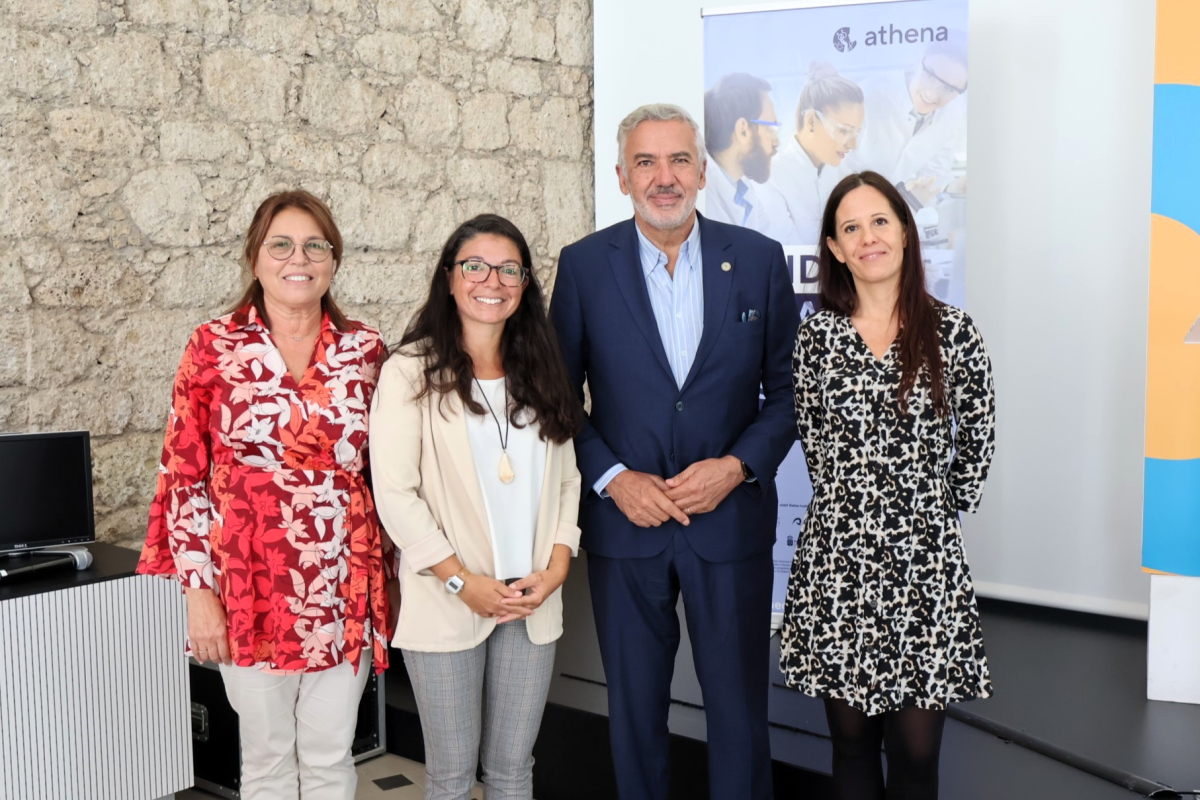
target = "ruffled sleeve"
x: 177, y: 542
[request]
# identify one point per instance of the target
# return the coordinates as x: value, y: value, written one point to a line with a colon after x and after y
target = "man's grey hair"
x: 655, y: 112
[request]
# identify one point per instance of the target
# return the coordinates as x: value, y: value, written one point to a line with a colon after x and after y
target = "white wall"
x: 1060, y: 126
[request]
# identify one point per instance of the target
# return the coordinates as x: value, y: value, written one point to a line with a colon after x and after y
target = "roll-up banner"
x: 1171, y: 512
x: 799, y: 95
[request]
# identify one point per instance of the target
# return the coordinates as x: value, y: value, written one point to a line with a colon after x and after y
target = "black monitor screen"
x: 45, y: 490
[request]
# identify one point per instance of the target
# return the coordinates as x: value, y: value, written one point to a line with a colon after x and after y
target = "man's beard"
x: 665, y: 220
x: 757, y: 166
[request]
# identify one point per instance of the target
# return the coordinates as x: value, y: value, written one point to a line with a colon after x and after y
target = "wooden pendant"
x: 506, y: 470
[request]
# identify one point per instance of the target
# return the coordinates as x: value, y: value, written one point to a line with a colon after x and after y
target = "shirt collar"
x: 651, y: 257
x: 247, y: 318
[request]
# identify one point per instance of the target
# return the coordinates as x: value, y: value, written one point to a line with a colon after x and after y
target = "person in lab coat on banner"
x: 915, y: 120
x: 740, y: 134
x: 829, y: 123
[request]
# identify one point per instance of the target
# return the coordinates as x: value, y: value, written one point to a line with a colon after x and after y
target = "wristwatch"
x: 455, y: 583
x: 747, y: 475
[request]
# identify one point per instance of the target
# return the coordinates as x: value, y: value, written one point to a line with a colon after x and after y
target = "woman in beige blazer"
x: 475, y: 479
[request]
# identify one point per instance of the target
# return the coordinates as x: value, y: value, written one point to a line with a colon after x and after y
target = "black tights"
x: 913, y: 738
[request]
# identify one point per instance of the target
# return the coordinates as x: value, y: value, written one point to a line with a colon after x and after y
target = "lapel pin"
x: 726, y: 266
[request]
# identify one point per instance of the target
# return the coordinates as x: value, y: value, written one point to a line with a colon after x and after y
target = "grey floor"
x: 1084, y: 689
x: 388, y: 769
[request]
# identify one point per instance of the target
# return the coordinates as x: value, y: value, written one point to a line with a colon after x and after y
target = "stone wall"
x: 138, y: 136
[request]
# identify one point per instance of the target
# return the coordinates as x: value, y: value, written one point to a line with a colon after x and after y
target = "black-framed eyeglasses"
x: 478, y: 271
x: 281, y: 248
x: 945, y: 88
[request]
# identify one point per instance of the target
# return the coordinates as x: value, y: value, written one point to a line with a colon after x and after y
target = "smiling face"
x: 870, y: 237
x: 662, y: 172
x: 294, y: 282
x: 488, y: 303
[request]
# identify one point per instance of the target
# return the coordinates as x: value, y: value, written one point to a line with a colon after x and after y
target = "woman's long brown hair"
x: 537, y: 376
x: 920, y: 344
x: 257, y: 234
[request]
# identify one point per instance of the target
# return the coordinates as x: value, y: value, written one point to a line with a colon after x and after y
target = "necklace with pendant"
x: 505, y: 470
x: 298, y: 338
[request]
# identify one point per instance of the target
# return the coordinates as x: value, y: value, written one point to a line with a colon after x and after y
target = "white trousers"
x: 297, y: 730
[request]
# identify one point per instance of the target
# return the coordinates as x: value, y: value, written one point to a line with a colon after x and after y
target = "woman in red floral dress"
x: 263, y: 514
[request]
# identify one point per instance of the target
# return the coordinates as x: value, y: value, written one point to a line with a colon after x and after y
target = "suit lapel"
x: 453, y: 427
x: 714, y: 251
x: 627, y: 268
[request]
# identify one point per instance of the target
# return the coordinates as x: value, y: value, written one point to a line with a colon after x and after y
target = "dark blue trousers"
x: 728, y: 612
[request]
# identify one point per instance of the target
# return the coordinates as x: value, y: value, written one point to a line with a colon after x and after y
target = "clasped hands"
x: 649, y: 501
x: 489, y: 597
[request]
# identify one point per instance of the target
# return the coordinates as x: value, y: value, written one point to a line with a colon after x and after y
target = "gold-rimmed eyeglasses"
x: 281, y: 248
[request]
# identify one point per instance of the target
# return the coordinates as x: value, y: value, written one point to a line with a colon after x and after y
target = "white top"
x: 799, y: 190
x: 512, y: 509
x: 888, y: 144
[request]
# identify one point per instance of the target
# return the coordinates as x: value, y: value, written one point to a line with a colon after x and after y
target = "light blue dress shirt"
x: 678, y: 305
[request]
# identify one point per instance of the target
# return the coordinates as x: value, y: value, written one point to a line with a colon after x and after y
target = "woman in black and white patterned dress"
x: 895, y: 408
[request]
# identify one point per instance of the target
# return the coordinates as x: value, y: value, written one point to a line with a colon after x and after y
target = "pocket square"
x: 751, y: 315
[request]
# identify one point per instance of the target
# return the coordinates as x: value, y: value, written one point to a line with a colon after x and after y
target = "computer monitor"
x: 45, y: 490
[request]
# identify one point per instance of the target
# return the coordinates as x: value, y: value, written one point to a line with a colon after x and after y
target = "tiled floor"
x: 398, y: 779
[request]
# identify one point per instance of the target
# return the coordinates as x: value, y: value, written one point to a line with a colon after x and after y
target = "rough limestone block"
x: 91, y: 277
x: 377, y: 220
x: 35, y: 65
x: 51, y: 13
x: 199, y: 280
x: 167, y: 205
x: 555, y: 130
x: 130, y: 70
x: 410, y: 15
x: 430, y: 112
x: 480, y: 177
x: 531, y: 35
x: 514, y: 77
x: 201, y: 141
x: 485, y: 122
x: 94, y: 130
x: 37, y: 196
x: 566, y: 196
x: 336, y: 102
x: 482, y: 26
x: 394, y: 164
x: 294, y: 36
x: 202, y: 16
x: 393, y: 53
x: 102, y: 407
x: 573, y: 38
x: 244, y: 85
x: 125, y: 470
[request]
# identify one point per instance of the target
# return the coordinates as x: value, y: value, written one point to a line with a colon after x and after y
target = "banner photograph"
x: 796, y: 99
x: 1171, y: 524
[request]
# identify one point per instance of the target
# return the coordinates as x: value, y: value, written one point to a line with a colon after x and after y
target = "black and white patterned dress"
x: 880, y: 610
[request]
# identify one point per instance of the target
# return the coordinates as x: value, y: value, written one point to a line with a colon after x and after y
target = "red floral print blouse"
x: 261, y: 495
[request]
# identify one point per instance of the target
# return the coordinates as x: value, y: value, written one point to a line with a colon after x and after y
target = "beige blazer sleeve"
x: 568, y: 511
x: 396, y: 429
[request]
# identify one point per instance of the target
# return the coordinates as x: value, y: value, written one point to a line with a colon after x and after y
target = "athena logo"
x: 842, y: 40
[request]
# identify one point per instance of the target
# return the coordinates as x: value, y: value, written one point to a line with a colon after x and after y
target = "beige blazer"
x: 431, y: 504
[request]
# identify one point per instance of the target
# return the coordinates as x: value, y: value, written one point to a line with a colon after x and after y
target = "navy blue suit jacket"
x: 641, y: 418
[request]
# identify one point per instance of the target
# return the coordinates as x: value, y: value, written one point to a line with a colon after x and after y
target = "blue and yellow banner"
x: 1171, y: 515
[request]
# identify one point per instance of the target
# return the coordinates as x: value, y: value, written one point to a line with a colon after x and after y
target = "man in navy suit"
x: 675, y: 322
